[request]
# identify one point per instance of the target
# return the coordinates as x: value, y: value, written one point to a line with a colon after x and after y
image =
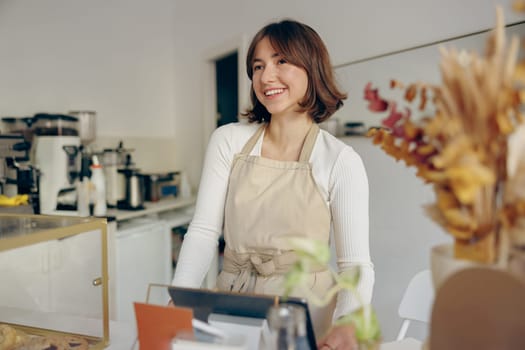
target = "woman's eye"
x: 282, y: 61
x: 257, y: 67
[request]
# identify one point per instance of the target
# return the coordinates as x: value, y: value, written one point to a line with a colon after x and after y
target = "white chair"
x: 416, y: 304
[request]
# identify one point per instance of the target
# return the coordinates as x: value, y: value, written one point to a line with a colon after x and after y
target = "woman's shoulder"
x: 234, y: 135
x: 332, y: 145
x: 237, y: 129
x: 334, y: 151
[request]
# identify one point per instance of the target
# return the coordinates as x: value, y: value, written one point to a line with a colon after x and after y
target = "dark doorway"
x: 226, y: 79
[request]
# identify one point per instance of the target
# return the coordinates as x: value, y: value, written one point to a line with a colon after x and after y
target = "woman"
x: 281, y: 176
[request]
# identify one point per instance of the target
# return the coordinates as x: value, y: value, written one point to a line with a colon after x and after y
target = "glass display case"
x: 54, y: 281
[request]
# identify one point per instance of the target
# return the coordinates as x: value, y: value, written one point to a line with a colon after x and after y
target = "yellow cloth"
x: 19, y: 199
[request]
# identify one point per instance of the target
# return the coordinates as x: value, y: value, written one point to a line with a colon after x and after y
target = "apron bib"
x: 267, y: 201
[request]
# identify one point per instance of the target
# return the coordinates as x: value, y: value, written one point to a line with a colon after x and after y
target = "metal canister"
x: 87, y: 125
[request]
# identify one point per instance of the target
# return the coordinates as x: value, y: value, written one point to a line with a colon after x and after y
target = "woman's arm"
x: 200, y: 242
x: 348, y: 188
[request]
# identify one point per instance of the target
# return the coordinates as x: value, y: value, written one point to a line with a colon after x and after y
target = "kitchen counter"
x: 153, y: 208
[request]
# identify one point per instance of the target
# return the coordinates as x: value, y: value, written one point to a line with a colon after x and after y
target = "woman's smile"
x: 273, y: 92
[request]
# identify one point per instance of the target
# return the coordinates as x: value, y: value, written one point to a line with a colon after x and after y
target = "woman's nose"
x: 268, y: 74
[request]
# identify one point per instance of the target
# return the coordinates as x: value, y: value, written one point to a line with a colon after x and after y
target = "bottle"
x: 185, y: 189
x: 288, y: 327
x: 99, y: 183
x: 301, y: 337
x: 83, y: 196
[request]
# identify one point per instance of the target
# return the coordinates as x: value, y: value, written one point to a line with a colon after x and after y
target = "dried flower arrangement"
x: 471, y: 147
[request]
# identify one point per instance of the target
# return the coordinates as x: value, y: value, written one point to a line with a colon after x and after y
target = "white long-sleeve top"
x: 341, y: 177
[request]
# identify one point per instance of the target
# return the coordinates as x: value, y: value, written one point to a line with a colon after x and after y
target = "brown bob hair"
x: 301, y: 46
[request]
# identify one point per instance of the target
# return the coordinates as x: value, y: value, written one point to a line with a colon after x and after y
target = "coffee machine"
x: 17, y: 175
x: 56, y: 146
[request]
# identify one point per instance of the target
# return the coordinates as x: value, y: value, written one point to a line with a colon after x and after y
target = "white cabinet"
x: 141, y: 255
x: 54, y: 276
x: 75, y: 265
x: 139, y: 250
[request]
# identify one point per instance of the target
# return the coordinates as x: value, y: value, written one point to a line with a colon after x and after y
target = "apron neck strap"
x: 309, y: 143
x: 253, y: 140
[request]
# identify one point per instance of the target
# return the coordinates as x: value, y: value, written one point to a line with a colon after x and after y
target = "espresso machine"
x: 17, y: 175
x: 56, y: 146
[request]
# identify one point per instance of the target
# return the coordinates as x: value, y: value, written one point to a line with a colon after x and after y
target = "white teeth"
x: 273, y: 92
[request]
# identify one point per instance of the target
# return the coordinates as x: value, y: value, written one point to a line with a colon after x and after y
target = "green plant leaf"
x: 295, y: 277
x: 366, y: 328
x: 348, y: 279
x: 311, y: 250
x: 316, y: 253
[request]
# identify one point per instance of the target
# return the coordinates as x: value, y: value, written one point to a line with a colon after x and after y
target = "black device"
x: 205, y: 302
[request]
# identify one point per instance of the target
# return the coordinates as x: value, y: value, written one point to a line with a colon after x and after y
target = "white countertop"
x: 152, y: 208
x: 123, y: 338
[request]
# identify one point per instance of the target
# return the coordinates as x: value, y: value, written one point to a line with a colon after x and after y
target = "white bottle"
x: 99, y: 182
x: 83, y: 197
x: 185, y: 189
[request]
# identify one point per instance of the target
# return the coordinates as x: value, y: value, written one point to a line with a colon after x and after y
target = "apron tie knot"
x: 265, y: 268
x: 247, y: 266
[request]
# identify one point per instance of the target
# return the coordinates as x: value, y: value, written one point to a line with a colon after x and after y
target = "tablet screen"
x: 204, y: 302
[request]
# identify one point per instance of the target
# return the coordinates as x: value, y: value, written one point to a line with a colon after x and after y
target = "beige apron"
x: 267, y: 201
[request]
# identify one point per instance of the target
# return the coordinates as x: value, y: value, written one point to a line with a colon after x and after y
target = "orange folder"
x: 158, y: 325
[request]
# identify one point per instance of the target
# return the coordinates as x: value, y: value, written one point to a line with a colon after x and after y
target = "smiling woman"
x: 281, y: 176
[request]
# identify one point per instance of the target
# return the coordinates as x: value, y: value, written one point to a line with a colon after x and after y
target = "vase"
x: 444, y: 264
x: 517, y: 262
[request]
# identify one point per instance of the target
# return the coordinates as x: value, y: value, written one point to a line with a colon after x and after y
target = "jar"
x: 55, y: 125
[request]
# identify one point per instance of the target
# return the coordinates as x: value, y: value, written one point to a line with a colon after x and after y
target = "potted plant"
x: 315, y: 253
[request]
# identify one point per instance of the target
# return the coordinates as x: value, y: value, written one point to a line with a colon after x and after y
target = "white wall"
x: 352, y: 29
x: 141, y: 64
x: 112, y: 56
x: 401, y: 235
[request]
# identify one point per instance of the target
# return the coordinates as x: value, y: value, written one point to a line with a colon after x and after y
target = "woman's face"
x: 278, y: 85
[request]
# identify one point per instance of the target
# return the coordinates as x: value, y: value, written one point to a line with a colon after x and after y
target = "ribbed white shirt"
x: 338, y: 171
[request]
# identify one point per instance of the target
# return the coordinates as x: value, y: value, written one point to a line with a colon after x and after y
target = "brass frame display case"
x: 18, y: 231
